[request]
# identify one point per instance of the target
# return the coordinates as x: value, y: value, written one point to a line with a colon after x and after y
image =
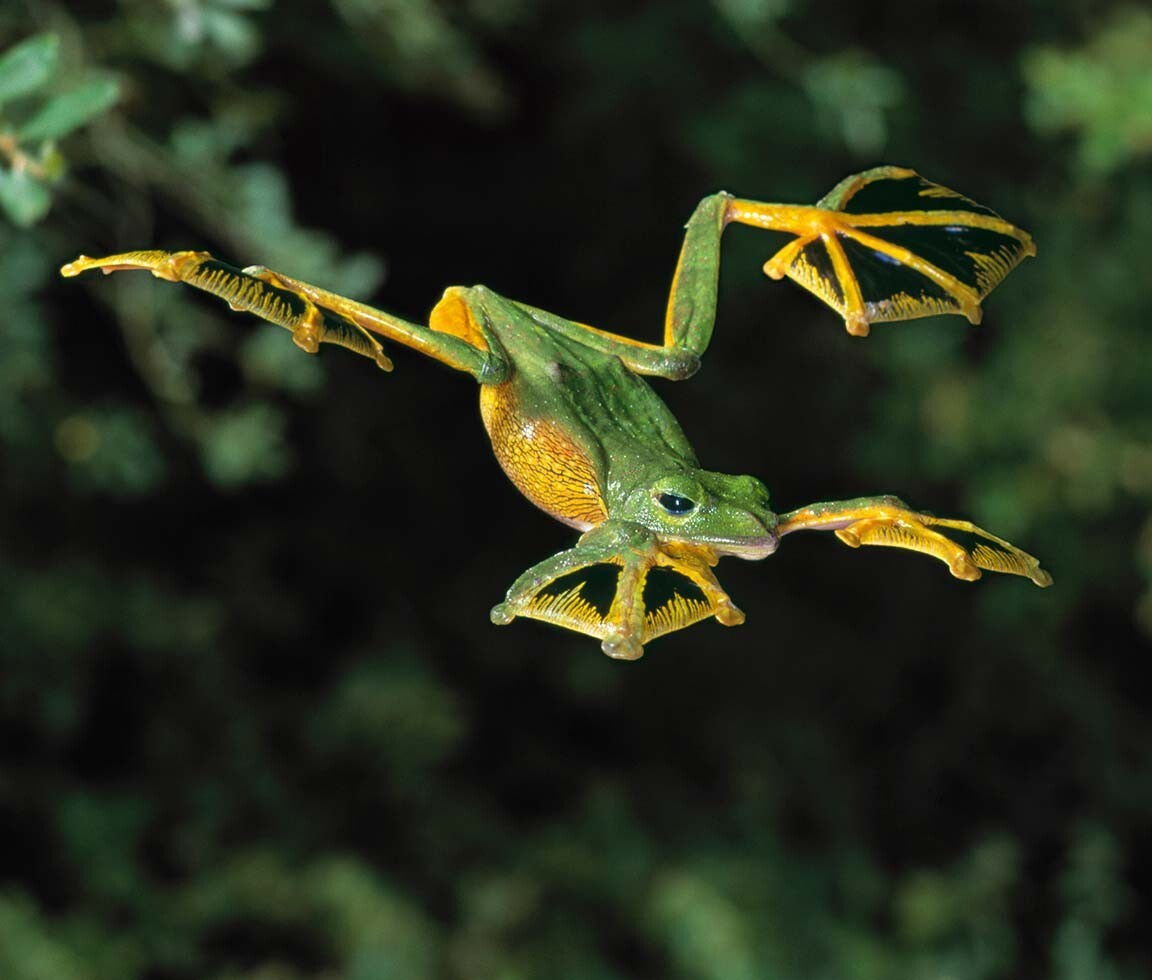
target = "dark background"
x: 254, y: 722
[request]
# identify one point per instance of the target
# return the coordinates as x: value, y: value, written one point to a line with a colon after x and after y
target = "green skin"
x: 638, y: 450
x: 636, y: 446
x: 589, y: 386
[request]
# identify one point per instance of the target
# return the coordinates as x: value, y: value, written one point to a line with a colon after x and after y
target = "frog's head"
x: 729, y: 514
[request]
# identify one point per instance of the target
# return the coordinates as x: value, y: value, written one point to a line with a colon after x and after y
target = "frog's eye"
x: 675, y: 504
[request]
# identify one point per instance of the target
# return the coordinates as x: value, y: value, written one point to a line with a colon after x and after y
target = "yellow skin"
x: 584, y: 437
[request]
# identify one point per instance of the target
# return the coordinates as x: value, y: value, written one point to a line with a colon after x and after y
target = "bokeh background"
x: 254, y: 722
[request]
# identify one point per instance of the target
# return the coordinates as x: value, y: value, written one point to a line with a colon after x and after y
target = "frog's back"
x: 564, y: 413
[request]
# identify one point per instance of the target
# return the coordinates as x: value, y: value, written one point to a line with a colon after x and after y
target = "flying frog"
x: 584, y: 437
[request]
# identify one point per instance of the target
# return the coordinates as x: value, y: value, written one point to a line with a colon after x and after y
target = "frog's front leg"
x: 633, y: 616
x: 889, y: 522
x: 620, y: 627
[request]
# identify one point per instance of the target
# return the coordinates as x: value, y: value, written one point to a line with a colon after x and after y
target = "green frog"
x: 582, y: 435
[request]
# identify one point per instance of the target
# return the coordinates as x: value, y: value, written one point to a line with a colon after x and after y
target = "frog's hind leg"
x: 672, y: 362
x: 313, y: 315
x: 884, y: 244
x: 888, y: 522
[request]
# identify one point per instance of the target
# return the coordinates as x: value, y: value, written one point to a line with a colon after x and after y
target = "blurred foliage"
x: 1103, y: 90
x: 254, y: 724
x: 33, y: 119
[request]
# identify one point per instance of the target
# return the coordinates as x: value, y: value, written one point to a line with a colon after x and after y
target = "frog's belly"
x: 544, y: 463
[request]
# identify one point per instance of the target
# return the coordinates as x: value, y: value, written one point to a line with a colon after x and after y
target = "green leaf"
x: 71, y: 110
x: 28, y: 65
x: 1102, y: 91
x: 23, y: 198
x: 245, y: 445
x: 233, y: 34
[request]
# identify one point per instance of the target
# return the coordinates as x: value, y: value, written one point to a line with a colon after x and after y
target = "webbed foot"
x: 889, y: 522
x: 886, y: 244
x: 311, y: 317
x: 311, y: 329
x: 172, y: 266
x: 655, y: 587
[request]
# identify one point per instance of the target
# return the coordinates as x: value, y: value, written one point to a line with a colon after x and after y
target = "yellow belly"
x: 544, y: 463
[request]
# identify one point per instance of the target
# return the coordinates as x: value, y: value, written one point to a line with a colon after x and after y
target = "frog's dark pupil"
x: 674, y: 504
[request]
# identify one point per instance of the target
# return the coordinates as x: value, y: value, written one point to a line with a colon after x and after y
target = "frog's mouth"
x: 750, y: 549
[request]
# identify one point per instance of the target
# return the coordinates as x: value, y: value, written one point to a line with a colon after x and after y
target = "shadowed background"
x: 254, y: 722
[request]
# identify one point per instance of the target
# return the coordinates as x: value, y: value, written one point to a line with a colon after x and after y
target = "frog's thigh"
x: 668, y: 361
